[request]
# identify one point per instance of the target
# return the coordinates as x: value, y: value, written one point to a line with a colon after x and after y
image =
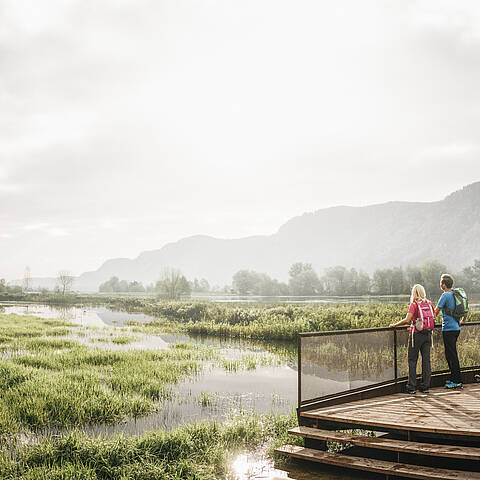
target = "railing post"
x: 299, y: 370
x: 395, y: 360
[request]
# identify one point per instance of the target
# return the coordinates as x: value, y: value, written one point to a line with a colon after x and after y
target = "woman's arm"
x: 405, y: 321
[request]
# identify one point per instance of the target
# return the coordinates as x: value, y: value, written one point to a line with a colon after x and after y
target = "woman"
x: 421, y: 318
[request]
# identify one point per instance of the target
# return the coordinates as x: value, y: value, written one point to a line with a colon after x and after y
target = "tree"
x: 136, y: 287
x: 336, y: 280
x: 249, y: 282
x: 414, y: 276
x: 65, y: 281
x: 201, y: 286
x: 172, y: 284
x: 304, y: 280
x: 432, y: 270
x: 469, y: 277
x: 397, y: 281
x: 27, y: 280
x: 364, y: 283
x: 381, y: 282
x: 245, y: 282
x: 109, y: 286
x: 476, y: 276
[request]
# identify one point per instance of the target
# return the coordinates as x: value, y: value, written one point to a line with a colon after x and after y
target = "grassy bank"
x: 199, y: 451
x: 265, y: 321
x: 247, y: 320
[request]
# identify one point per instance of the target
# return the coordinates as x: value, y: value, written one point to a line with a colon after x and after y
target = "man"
x: 450, y: 330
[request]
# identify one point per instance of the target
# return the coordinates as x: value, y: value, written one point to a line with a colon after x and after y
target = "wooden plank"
x: 412, y: 424
x: 419, y: 448
x: 377, y: 466
x: 451, y: 412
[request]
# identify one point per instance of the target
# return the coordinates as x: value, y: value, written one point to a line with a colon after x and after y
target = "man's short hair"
x: 447, y: 280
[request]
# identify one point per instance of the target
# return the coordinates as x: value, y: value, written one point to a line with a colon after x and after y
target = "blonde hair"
x: 418, y: 294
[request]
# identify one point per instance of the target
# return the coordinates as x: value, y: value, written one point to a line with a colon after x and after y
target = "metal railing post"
x: 395, y: 359
x: 299, y: 370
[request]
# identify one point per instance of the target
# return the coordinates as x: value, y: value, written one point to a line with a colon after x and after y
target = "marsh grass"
x: 250, y: 362
x: 123, y: 339
x: 193, y: 452
x: 53, y: 382
x: 261, y: 321
x: 206, y: 399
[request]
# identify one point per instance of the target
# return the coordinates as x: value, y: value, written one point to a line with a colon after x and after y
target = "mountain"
x: 371, y: 237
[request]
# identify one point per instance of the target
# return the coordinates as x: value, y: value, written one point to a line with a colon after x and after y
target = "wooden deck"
x: 448, y: 412
x: 389, y: 469
x: 427, y: 436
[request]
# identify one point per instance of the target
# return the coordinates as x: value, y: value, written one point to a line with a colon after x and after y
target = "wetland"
x: 153, y: 389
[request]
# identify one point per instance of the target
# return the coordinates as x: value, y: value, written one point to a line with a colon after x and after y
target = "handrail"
x: 364, y: 330
x: 396, y: 378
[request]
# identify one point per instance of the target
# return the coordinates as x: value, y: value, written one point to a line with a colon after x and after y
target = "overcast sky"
x: 125, y: 125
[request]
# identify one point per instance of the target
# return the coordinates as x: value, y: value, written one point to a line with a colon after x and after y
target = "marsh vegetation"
x: 71, y: 384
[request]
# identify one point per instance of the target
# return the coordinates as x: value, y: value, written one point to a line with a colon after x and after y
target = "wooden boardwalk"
x: 449, y: 412
x: 432, y: 436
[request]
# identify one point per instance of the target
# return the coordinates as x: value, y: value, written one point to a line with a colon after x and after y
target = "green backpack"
x: 461, y: 304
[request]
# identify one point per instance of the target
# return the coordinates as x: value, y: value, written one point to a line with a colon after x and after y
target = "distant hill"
x: 371, y: 237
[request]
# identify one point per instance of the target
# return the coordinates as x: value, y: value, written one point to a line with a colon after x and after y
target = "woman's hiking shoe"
x: 452, y: 385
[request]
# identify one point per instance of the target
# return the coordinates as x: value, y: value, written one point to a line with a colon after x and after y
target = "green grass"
x: 53, y: 382
x: 267, y: 322
x: 249, y: 362
x: 123, y: 339
x: 199, y: 451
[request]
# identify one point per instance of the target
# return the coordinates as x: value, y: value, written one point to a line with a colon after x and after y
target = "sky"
x: 128, y: 124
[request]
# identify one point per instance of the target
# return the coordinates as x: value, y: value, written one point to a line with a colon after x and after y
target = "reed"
x: 196, y: 451
x: 55, y: 382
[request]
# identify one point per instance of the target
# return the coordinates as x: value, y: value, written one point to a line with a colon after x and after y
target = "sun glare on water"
x: 253, y: 467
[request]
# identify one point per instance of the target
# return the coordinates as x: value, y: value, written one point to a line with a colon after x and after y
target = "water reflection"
x: 257, y: 466
x: 213, y: 394
x: 100, y: 320
x: 217, y: 395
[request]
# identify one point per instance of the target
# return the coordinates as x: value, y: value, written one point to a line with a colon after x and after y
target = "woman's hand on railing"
x: 398, y: 325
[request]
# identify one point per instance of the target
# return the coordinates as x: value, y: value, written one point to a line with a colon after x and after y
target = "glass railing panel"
x: 336, y: 363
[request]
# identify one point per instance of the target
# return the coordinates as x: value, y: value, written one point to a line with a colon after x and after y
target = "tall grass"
x: 52, y: 382
x: 196, y: 451
x: 265, y: 321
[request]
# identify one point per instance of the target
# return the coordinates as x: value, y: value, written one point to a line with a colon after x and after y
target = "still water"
x: 213, y: 394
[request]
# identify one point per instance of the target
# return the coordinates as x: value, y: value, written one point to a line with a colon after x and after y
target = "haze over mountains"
x: 370, y: 237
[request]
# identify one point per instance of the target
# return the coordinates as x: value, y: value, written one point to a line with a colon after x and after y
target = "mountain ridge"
x: 366, y: 237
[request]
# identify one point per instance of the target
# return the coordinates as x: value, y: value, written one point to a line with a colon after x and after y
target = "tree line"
x: 305, y: 281
x: 343, y: 281
x: 171, y: 284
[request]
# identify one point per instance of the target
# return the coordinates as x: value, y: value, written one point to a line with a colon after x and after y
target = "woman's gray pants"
x: 422, y: 342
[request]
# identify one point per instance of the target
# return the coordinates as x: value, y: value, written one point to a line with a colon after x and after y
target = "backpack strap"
x: 421, y: 313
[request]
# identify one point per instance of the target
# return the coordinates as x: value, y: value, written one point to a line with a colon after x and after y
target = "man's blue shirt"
x: 447, y: 301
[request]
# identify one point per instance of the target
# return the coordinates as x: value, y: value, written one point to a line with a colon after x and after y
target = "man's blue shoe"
x: 448, y: 383
x: 452, y: 385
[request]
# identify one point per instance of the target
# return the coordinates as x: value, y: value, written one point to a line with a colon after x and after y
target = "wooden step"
x: 377, y: 466
x: 419, y: 448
